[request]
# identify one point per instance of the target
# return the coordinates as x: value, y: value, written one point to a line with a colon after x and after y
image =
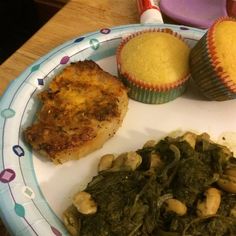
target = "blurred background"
x: 20, y: 19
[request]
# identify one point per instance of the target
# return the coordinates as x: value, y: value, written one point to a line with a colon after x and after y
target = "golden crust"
x: 81, y: 109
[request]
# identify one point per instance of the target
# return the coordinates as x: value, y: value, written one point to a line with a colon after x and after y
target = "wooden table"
x: 75, y: 18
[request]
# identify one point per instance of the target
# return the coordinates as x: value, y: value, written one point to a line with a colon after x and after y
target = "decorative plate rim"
x: 14, y: 209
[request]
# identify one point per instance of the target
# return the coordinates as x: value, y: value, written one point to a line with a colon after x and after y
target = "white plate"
x: 33, y: 191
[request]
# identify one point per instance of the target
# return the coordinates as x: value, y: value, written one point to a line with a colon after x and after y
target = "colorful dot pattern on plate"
x: 23, y: 205
x: 105, y: 31
x: 40, y: 82
x: 65, y: 60
x: 7, y: 175
x: 94, y: 44
x: 7, y: 113
x: 28, y: 192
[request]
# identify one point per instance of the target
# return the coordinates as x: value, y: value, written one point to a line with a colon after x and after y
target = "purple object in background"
x: 197, y: 13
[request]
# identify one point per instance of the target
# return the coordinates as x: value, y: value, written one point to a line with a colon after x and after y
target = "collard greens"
x: 133, y: 202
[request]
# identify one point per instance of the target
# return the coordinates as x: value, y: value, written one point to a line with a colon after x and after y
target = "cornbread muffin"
x: 154, y: 65
x: 82, y: 108
x: 212, y: 61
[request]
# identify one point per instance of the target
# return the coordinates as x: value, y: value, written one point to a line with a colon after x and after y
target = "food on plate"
x: 154, y: 65
x: 212, y: 61
x: 82, y: 108
x: 178, y: 186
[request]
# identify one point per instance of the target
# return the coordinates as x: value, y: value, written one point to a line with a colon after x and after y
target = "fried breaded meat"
x: 82, y: 108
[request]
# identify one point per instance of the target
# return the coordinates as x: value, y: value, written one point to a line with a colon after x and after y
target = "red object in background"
x: 149, y: 11
x: 144, y: 5
x: 231, y: 8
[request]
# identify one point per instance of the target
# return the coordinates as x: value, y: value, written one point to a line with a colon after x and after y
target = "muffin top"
x: 225, y: 46
x: 158, y: 58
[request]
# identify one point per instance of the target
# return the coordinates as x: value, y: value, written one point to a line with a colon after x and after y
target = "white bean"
x: 133, y: 160
x: 227, y: 183
x: 150, y: 143
x: 105, y: 162
x: 190, y: 138
x: 84, y: 203
x: 129, y: 160
x: 176, y: 206
x: 155, y: 161
x: 211, y: 204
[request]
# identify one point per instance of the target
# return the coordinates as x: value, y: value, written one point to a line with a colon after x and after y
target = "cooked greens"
x: 177, y: 187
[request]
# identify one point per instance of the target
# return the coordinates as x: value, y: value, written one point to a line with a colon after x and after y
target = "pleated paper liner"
x: 206, y: 71
x: 148, y: 92
x: 152, y: 95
